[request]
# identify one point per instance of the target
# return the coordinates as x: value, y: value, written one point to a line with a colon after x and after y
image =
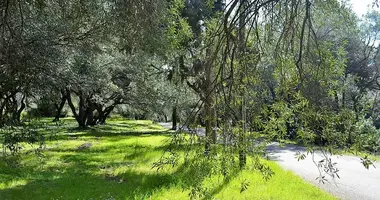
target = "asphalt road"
x: 355, y: 182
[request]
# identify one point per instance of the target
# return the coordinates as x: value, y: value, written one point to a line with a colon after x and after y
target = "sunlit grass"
x: 118, y: 165
x: 361, y: 154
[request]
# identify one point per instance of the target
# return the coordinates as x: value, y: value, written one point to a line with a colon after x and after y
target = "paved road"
x: 356, y: 182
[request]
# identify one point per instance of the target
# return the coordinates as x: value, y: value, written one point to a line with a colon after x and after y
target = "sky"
x: 360, y: 7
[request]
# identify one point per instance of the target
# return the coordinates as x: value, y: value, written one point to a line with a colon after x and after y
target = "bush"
x: 45, y: 109
x: 14, y: 138
x: 368, y: 137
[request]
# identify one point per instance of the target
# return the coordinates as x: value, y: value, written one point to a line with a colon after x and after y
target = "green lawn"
x: 118, y: 165
x: 361, y: 154
x: 337, y: 151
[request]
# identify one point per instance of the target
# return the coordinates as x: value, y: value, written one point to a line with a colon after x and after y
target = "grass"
x: 361, y: 154
x: 118, y: 165
x: 337, y: 151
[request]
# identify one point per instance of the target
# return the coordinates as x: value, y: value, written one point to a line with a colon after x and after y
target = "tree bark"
x: 60, y: 106
x: 22, y: 107
x: 166, y: 117
x: 5, y: 108
x: 91, y: 120
x: 356, y: 107
x: 336, y: 98
x: 2, y: 106
x: 82, y: 111
x: 103, y: 115
x: 79, y: 117
x: 209, y: 102
x: 242, y: 134
x: 174, y: 118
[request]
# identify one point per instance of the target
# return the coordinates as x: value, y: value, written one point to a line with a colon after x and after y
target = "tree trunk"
x: 210, y: 118
x: 102, y: 118
x: 356, y: 107
x: 344, y: 92
x: 22, y: 107
x: 104, y: 115
x: 91, y: 120
x: 99, y: 109
x: 242, y: 135
x: 82, y: 111
x: 2, y: 106
x: 79, y: 117
x: 174, y: 118
x: 336, y: 98
x: 60, y: 107
x: 5, y: 108
x: 166, y: 117
x: 14, y: 109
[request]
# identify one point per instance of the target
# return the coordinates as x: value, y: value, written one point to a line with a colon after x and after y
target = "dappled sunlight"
x: 120, y: 166
x: 13, y: 184
x: 189, y: 99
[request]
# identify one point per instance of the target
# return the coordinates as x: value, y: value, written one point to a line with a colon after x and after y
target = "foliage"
x: 14, y: 139
x: 368, y: 136
x: 249, y: 71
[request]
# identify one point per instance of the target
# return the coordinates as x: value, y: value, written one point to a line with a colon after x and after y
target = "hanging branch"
x: 299, y: 60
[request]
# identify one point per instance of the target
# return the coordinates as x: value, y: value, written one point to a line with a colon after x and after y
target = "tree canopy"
x: 304, y: 70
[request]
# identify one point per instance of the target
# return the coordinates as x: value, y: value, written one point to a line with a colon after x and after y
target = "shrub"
x: 13, y: 139
x: 368, y: 137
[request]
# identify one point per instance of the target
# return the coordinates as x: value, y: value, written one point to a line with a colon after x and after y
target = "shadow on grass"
x: 85, y: 174
x: 75, y: 183
x: 107, y: 131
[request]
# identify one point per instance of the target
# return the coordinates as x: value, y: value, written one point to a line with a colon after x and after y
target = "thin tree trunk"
x: 5, y: 108
x: 60, y: 107
x: 210, y: 118
x: 174, y: 118
x: 242, y: 136
x: 166, y: 117
x: 71, y: 105
x: 106, y: 113
x: 337, y: 108
x: 2, y: 106
x: 82, y: 111
x: 22, y: 107
x: 344, y: 92
x: 102, y: 117
x: 14, y: 109
x: 356, y: 107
